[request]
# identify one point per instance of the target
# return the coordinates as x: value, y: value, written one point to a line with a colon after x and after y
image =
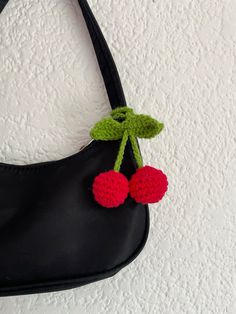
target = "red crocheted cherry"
x: 148, y: 185
x: 110, y: 189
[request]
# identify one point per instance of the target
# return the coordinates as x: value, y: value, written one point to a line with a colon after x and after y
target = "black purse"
x: 53, y: 234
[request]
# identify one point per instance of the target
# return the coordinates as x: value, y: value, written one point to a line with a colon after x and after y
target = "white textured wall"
x: 177, y: 60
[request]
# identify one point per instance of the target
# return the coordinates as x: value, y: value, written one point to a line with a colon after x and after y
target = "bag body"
x: 53, y: 235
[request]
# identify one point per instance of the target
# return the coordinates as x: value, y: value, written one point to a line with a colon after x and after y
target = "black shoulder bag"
x: 70, y: 222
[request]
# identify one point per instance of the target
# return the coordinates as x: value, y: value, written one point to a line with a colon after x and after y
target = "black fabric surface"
x: 53, y: 235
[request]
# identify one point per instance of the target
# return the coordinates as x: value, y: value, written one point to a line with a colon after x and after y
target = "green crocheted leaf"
x: 144, y: 126
x: 107, y: 130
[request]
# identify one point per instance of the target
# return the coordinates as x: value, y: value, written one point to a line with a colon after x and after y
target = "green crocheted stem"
x: 124, y: 124
x: 121, y: 152
x: 136, y: 151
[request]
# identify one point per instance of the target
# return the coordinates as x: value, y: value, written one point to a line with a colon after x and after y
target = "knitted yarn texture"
x: 110, y: 189
x: 147, y: 185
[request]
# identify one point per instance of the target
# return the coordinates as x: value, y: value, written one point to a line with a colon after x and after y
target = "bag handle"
x: 105, y: 60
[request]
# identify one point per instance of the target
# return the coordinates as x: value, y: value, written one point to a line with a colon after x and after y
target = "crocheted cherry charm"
x: 148, y: 185
x: 110, y: 189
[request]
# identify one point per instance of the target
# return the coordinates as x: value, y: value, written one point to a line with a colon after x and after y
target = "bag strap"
x: 105, y: 60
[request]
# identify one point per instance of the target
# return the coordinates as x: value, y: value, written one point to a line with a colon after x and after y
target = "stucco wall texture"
x: 177, y: 62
